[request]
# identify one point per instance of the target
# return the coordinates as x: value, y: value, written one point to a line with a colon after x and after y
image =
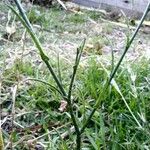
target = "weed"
x: 98, y: 115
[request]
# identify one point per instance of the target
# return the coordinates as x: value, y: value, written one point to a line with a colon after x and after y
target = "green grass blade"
x: 114, y: 84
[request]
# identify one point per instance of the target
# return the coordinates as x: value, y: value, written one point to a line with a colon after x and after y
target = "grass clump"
x: 24, y: 67
x: 112, y: 126
x: 93, y: 78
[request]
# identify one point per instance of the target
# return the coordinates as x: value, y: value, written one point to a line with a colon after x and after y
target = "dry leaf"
x: 63, y: 106
x: 31, y: 143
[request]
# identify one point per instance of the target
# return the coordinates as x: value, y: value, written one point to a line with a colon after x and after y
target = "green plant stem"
x: 87, y: 121
x: 55, y: 78
x: 129, y: 42
x: 47, y: 83
x: 45, y: 59
x: 59, y: 70
x: 77, y: 60
x: 78, y: 141
x: 23, y: 18
x: 22, y: 13
x: 117, y: 66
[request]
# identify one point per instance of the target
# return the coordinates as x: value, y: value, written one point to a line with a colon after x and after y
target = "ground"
x: 38, y: 109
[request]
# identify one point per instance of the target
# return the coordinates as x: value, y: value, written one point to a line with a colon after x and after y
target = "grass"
x: 112, y: 126
x: 37, y: 104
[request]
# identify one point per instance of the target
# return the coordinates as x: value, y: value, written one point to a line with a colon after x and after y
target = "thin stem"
x: 44, y: 82
x: 59, y: 71
x: 78, y: 142
x: 45, y: 59
x: 55, y: 78
x: 23, y: 18
x: 117, y: 66
x: 22, y: 13
x: 78, y: 57
x: 73, y: 76
x: 87, y: 121
x: 77, y: 60
x: 130, y: 42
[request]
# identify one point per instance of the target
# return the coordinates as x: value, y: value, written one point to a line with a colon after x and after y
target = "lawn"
x: 35, y: 115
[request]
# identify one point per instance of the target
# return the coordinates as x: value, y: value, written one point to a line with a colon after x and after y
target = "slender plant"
x: 67, y: 95
x: 128, y: 44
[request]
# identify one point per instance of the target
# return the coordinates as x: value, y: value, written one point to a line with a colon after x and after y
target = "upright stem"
x: 117, y: 66
x: 87, y: 121
x: 55, y: 78
x: 78, y: 142
x: 25, y: 21
x: 130, y: 42
x: 77, y: 60
x: 45, y: 59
